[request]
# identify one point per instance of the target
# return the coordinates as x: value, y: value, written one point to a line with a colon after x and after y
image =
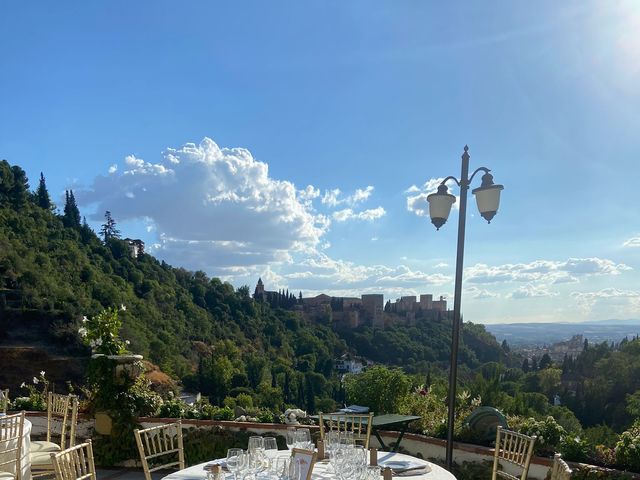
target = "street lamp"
x: 440, y: 203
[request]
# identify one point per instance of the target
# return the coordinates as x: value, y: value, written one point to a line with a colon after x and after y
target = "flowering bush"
x: 549, y: 434
x: 628, y: 448
x: 37, y: 397
x: 431, y: 406
x: 102, y: 332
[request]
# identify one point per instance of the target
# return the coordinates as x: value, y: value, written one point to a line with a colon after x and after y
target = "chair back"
x: 11, y: 428
x: 560, y: 470
x: 4, y: 400
x: 357, y: 423
x: 160, y: 447
x: 514, y: 448
x: 62, y: 409
x: 75, y: 463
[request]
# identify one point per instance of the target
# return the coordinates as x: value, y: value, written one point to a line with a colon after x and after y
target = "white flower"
x: 93, y: 343
x: 99, y: 342
x: 127, y: 342
x: 82, y: 332
x: 23, y: 385
x: 123, y: 307
x: 35, y: 380
x: 42, y: 373
x: 85, y: 319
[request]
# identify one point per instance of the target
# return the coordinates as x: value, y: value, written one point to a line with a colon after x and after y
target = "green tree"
x: 109, y: 230
x: 42, y: 195
x: 379, y: 388
x: 71, y: 217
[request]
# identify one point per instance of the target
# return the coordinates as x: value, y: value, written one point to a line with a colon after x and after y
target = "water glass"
x: 373, y: 472
x: 303, y: 438
x: 270, y: 451
x: 291, y: 437
x: 256, y: 444
x: 234, y: 460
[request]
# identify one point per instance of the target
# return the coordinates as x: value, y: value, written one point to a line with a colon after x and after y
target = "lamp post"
x: 488, y: 200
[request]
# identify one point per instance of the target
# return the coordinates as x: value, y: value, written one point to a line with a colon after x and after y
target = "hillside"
x: 214, y: 337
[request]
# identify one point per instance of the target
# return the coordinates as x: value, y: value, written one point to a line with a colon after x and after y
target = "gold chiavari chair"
x: 4, y: 400
x: 356, y: 423
x: 74, y: 463
x: 560, y: 470
x: 11, y: 429
x: 60, y: 408
x: 513, y: 448
x: 160, y: 447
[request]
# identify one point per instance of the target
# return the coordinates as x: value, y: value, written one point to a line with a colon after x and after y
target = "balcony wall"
x: 414, y: 444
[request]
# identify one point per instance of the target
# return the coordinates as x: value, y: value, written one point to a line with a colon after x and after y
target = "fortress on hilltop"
x: 351, y: 312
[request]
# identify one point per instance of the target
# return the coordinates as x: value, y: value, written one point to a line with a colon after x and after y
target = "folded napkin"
x: 222, y: 462
x: 408, y: 472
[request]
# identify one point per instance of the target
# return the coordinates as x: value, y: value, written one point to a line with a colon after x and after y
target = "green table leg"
x: 382, y: 444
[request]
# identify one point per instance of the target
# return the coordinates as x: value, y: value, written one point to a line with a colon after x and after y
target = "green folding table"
x: 383, y: 422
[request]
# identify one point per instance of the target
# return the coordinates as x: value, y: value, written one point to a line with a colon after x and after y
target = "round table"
x: 321, y: 470
x: 25, y: 460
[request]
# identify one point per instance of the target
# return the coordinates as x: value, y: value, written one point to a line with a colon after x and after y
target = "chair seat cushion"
x: 44, y: 446
x: 41, y: 460
x: 7, y: 476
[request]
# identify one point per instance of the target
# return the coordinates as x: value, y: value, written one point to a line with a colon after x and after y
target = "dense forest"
x: 210, y: 335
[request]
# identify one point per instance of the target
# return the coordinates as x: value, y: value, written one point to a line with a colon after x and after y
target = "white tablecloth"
x: 25, y: 463
x: 320, y: 470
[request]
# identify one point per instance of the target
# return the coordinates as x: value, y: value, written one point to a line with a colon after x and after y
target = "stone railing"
x: 414, y: 444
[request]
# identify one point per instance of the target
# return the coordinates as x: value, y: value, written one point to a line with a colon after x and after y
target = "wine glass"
x: 282, y: 467
x: 270, y: 450
x: 234, y: 459
x: 303, y: 438
x: 256, y: 444
x: 291, y: 437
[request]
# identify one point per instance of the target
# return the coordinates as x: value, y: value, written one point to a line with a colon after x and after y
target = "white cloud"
x: 417, y: 196
x: 361, y: 194
x: 544, y: 270
x: 633, y: 242
x: 309, y: 193
x: 212, y: 207
x: 478, y: 293
x: 441, y: 265
x: 349, y: 214
x: 332, y: 197
x: 113, y: 168
x: 605, y: 293
x: 531, y: 291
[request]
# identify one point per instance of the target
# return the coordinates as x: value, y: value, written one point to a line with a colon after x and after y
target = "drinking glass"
x: 270, y: 451
x: 234, y: 460
x: 291, y: 437
x: 282, y: 468
x: 373, y: 472
x: 303, y: 438
x: 256, y: 444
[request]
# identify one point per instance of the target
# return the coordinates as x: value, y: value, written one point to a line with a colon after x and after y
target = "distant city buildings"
x: 352, y: 312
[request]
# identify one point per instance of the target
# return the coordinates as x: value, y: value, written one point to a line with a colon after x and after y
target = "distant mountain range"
x: 521, y: 334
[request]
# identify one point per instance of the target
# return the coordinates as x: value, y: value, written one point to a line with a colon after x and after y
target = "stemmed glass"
x: 291, y: 437
x: 234, y: 460
x: 256, y: 444
x: 270, y: 451
x: 303, y: 438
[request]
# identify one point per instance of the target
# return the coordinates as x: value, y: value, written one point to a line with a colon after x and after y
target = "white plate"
x: 400, y: 464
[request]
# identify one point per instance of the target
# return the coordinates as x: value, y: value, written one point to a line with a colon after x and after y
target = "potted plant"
x: 102, y: 334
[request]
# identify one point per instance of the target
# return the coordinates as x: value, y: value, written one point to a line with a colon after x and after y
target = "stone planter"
x: 127, y: 366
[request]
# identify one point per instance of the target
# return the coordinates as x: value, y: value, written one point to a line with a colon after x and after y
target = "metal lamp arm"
x: 450, y: 178
x: 479, y: 169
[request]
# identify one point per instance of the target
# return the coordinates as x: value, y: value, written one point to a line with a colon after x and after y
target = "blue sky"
x: 296, y: 140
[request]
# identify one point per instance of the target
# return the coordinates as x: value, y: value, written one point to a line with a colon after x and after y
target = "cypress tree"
x: 71, y: 217
x: 42, y: 195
